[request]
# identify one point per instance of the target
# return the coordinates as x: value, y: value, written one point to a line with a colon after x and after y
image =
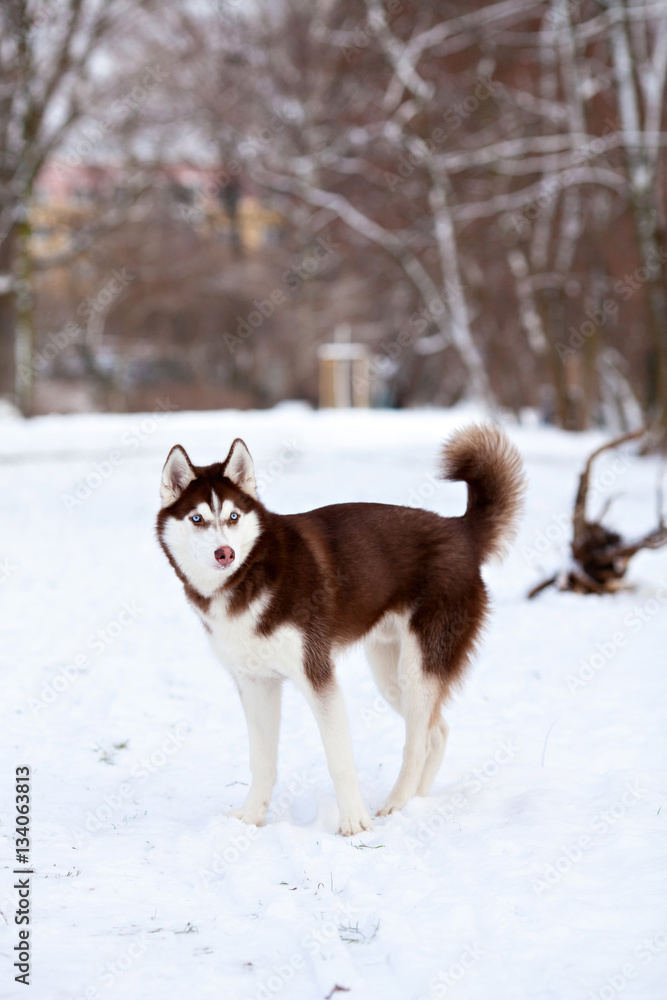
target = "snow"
x: 536, y: 869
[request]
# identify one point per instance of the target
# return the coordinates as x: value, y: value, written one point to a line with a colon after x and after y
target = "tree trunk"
x: 24, y: 349
x: 645, y: 208
x: 650, y: 241
x: 7, y: 318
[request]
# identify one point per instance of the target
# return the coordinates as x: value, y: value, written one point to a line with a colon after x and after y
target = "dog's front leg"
x: 329, y: 709
x: 260, y: 697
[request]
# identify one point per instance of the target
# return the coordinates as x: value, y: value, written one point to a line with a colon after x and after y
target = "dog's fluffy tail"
x: 483, y: 457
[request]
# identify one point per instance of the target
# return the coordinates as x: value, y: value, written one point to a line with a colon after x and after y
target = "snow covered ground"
x: 536, y: 869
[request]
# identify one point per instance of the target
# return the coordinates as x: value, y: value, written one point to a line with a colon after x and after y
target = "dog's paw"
x: 253, y: 817
x: 389, y: 807
x: 355, y: 822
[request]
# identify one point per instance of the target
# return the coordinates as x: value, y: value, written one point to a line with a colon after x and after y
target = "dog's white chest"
x: 241, y: 650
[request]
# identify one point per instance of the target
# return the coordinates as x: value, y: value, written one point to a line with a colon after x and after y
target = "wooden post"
x: 344, y: 378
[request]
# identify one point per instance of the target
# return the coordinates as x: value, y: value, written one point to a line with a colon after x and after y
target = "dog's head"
x: 210, y: 518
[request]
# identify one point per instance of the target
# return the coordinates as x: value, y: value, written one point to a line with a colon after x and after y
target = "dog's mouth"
x: 224, y: 556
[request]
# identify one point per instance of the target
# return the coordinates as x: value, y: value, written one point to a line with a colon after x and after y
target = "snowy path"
x: 537, y: 867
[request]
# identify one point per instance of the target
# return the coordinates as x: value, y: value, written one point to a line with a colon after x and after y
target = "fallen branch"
x: 600, y: 556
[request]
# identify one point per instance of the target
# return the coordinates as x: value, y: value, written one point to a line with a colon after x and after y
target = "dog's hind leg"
x: 260, y: 697
x: 419, y: 697
x: 437, y: 741
x: 382, y: 655
x: 329, y: 710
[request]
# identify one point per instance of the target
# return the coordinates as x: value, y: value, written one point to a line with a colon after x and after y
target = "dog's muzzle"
x: 224, y: 556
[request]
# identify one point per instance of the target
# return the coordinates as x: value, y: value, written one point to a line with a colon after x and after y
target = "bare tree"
x: 414, y: 129
x: 494, y: 204
x: 638, y: 39
x: 59, y: 70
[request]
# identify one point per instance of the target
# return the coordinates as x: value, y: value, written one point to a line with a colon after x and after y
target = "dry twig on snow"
x: 600, y: 556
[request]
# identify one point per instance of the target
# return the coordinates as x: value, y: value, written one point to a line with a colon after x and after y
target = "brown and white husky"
x: 280, y: 595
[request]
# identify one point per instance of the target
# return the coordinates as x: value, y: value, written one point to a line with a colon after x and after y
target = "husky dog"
x: 280, y: 595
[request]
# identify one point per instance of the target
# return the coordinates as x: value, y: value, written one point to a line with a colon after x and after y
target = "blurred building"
x: 69, y: 196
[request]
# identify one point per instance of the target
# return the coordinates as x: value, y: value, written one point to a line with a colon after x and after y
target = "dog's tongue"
x: 224, y: 556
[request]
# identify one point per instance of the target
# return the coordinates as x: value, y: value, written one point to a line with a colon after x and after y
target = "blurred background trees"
x: 196, y: 196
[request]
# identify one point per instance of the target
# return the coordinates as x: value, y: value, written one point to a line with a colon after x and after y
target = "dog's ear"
x: 177, y: 474
x: 239, y: 468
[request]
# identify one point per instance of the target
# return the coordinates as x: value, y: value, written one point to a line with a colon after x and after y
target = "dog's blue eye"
x: 196, y: 518
x: 233, y: 516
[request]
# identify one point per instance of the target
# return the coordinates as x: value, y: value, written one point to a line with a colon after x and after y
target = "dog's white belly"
x: 243, y: 652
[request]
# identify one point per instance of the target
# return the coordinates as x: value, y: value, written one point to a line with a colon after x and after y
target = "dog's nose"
x: 224, y: 556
